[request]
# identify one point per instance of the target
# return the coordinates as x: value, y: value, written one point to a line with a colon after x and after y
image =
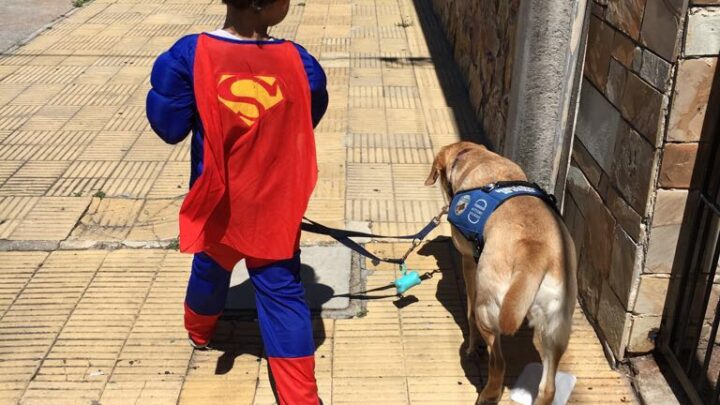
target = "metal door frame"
x: 696, y: 246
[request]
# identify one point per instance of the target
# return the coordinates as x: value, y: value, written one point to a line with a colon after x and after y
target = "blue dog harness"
x: 471, y: 209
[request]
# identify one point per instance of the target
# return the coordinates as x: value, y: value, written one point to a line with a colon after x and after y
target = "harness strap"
x: 471, y: 209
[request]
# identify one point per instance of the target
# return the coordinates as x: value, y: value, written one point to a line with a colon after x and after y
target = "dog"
x: 527, y: 267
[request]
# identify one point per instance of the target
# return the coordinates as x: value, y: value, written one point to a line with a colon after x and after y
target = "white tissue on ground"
x: 526, y: 387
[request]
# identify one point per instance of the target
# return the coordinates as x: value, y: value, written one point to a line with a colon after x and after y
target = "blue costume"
x: 284, y: 316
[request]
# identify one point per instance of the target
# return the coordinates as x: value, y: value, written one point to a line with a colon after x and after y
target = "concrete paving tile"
x: 12, y: 211
x: 107, y: 220
x: 45, y: 74
x: 44, y: 138
x: 90, y: 116
x: 109, y: 146
x: 386, y: 390
x: 52, y: 218
x: 158, y: 221
x: 149, y: 147
x: 97, y: 75
x: 173, y: 181
x: 13, y: 116
x: 38, y: 94
x: 369, y: 181
x: 76, y: 187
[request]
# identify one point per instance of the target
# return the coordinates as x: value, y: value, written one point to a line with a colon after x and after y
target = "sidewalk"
x: 91, y: 295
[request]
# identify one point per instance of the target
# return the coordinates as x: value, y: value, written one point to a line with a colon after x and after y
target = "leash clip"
x: 438, y: 218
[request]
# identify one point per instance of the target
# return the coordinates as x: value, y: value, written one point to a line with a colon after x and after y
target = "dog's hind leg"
x: 470, y: 275
x: 493, y: 390
x: 551, y: 348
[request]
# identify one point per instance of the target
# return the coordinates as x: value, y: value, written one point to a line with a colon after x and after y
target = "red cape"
x: 260, y: 166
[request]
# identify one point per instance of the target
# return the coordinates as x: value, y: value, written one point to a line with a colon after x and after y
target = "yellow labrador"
x: 527, y: 267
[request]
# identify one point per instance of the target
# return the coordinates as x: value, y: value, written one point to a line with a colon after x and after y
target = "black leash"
x: 365, y: 296
x: 343, y: 236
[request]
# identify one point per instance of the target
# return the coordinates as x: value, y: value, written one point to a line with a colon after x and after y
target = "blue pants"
x: 283, y: 314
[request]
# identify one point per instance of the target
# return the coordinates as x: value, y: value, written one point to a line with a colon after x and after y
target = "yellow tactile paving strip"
x: 80, y: 170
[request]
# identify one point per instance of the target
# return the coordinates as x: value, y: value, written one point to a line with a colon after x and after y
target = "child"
x: 252, y: 102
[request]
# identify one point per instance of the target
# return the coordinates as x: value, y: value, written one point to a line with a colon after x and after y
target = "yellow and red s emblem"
x: 249, y: 96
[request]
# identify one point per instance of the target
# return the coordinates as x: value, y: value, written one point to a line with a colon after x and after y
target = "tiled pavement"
x: 86, y: 317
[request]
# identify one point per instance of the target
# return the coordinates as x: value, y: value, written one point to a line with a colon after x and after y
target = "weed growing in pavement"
x: 174, y: 244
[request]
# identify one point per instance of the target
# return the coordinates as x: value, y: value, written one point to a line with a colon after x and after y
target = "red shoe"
x: 196, y: 345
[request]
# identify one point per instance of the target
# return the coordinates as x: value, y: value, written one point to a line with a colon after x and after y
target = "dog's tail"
x: 524, y: 286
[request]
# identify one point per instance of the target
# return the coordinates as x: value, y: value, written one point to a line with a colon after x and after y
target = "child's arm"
x: 318, y: 84
x: 171, y: 102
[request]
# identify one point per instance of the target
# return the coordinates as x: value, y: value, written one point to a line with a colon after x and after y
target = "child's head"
x: 269, y: 12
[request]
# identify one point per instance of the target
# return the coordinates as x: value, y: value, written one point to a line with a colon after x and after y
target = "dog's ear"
x: 433, y: 176
x: 439, y: 163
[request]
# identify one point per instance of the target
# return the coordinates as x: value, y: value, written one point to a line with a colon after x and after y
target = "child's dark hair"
x: 243, y: 4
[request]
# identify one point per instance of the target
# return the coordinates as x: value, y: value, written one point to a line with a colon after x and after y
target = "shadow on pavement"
x: 238, y: 332
x: 453, y: 86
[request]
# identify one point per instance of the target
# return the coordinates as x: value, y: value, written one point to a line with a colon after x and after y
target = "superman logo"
x: 249, y: 96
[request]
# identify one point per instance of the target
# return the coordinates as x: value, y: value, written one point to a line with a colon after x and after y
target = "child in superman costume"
x: 252, y: 102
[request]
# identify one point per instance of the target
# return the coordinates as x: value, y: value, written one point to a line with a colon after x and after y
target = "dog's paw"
x: 489, y: 396
x: 474, y: 348
x: 481, y: 401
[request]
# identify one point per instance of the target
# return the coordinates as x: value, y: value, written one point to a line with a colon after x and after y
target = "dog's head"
x: 446, y: 162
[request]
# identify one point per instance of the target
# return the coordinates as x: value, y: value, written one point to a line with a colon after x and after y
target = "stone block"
x: 655, y: 70
x: 617, y: 79
x: 590, y: 283
x: 661, y: 249
x: 598, y: 236
x: 586, y: 163
x: 669, y: 207
x: 574, y: 221
x: 598, y: 10
x: 630, y: 221
x: 599, y: 223
x: 678, y: 164
x: 661, y: 27
x: 643, y: 331
x: 702, y: 31
x: 650, y: 383
x: 585, y: 199
x: 690, y: 98
x: 597, y: 125
x: 614, y: 321
x: 599, y: 48
x: 642, y: 106
x: 627, y: 259
x: 626, y: 15
x: 623, y: 49
x: 651, y: 295
x: 633, y: 169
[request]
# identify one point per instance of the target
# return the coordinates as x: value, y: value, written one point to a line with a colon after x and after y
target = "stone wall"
x: 482, y: 33
x: 641, y: 112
